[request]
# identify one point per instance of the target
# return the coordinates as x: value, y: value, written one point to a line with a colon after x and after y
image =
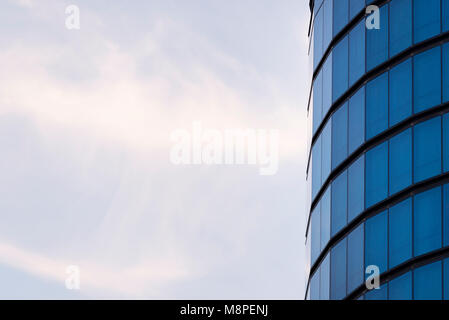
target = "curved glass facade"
x: 379, y: 154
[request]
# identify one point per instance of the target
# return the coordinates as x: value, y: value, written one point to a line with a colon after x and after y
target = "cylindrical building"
x: 379, y: 149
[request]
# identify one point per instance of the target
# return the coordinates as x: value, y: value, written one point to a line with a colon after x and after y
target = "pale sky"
x: 85, y: 123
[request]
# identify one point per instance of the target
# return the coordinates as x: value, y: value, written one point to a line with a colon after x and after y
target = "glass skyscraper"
x: 379, y: 149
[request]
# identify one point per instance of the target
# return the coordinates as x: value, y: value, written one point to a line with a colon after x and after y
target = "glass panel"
x: 446, y: 142
x: 325, y: 217
x: 315, y: 228
x: 400, y: 161
x: 340, y: 69
x: 315, y: 286
x: 324, y: 279
x: 446, y: 72
x: 356, y: 190
x: 339, y: 203
x: 401, y: 92
x: 377, y: 106
x: 357, y: 52
x: 326, y: 151
x: 376, y: 240
x: 327, y: 36
x: 376, y: 174
x: 317, y: 101
x: 400, y: 26
x: 427, y: 149
x: 316, y: 167
x: 378, y: 294
x: 427, y: 221
x: 446, y: 277
x: 446, y: 215
x: 377, y: 41
x: 400, y: 230
x: 356, y: 123
x: 445, y: 15
x: 338, y: 271
x: 356, y: 270
x: 327, y: 85
x: 427, y: 79
x: 339, y: 135
x: 341, y: 12
x: 318, y: 38
x: 355, y: 6
x: 427, y: 282
x: 401, y: 287
x: 426, y: 14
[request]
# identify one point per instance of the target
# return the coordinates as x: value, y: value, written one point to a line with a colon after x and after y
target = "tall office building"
x: 379, y: 151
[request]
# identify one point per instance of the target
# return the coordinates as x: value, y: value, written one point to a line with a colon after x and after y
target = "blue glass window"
x: 427, y: 22
x: 427, y: 79
x: 400, y: 240
x: 446, y: 142
x: 318, y: 38
x: 400, y: 161
x: 324, y: 279
x: 326, y: 150
x: 446, y: 279
x: 340, y: 69
x: 357, y: 52
x: 339, y: 202
x: 338, y: 271
x: 339, y: 135
x: 377, y: 106
x: 376, y: 174
x: 355, y: 6
x: 446, y: 215
x: 446, y: 71
x: 317, y: 101
x: 445, y: 15
x: 315, y: 225
x: 401, y: 287
x: 376, y: 241
x: 315, y: 286
x: 356, y: 270
x: 400, y: 26
x: 427, y: 221
x: 341, y: 14
x: 356, y: 124
x: 327, y: 84
x: 325, y: 218
x: 327, y: 36
x: 427, y: 282
x: 427, y: 149
x: 377, y: 41
x: 356, y: 190
x: 401, y: 92
x: 377, y: 294
x: 316, y: 167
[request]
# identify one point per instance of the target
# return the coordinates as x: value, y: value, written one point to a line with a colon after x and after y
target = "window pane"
x: 324, y: 279
x: 339, y: 203
x: 446, y: 279
x: 355, y: 6
x: 377, y: 41
x: 400, y: 161
x: 317, y: 101
x: 316, y: 167
x: 400, y: 26
x: 356, y: 120
x: 427, y: 79
x: 315, y: 227
x: 446, y: 142
x: 356, y: 270
x: 446, y: 215
x: 339, y: 135
x: 356, y: 190
x: 318, y: 38
x: 325, y: 218
x: 377, y: 106
x: 427, y: 221
x: 377, y: 294
x: 445, y: 15
x: 376, y: 240
x: 340, y: 69
x: 315, y: 286
x: 446, y: 72
x: 427, y: 280
x: 357, y: 52
x: 326, y: 150
x: 401, y: 92
x: 338, y: 271
x: 401, y: 287
x: 327, y: 36
x: 341, y: 12
x: 426, y: 19
x: 427, y: 149
x: 400, y: 219
x: 376, y: 174
x: 327, y: 85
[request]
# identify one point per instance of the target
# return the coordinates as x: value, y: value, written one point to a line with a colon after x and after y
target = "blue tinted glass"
x: 315, y: 286
x: 445, y: 15
x: 340, y: 69
x: 327, y: 84
x: 315, y: 225
x: 317, y: 101
x: 341, y: 12
x: 327, y: 36
x: 377, y: 106
x: 357, y: 52
x: 427, y: 149
x: 427, y: 221
x: 427, y: 79
x: 427, y: 282
x: 326, y: 150
x: 401, y: 92
x: 355, y: 6
x: 316, y: 167
x: 376, y: 240
x: 324, y: 279
x: 446, y: 142
x: 338, y: 271
x: 446, y: 279
x: 356, y: 190
x: 376, y: 174
x: 426, y: 15
x: 325, y: 218
x: 400, y: 219
x: 446, y: 72
x: 401, y: 161
x: 339, y: 203
x: 339, y: 135
x: 377, y: 41
x: 356, y: 124
x: 401, y: 287
x: 318, y: 38
x: 355, y: 259
x: 446, y: 215
x: 400, y: 26
x: 377, y: 294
